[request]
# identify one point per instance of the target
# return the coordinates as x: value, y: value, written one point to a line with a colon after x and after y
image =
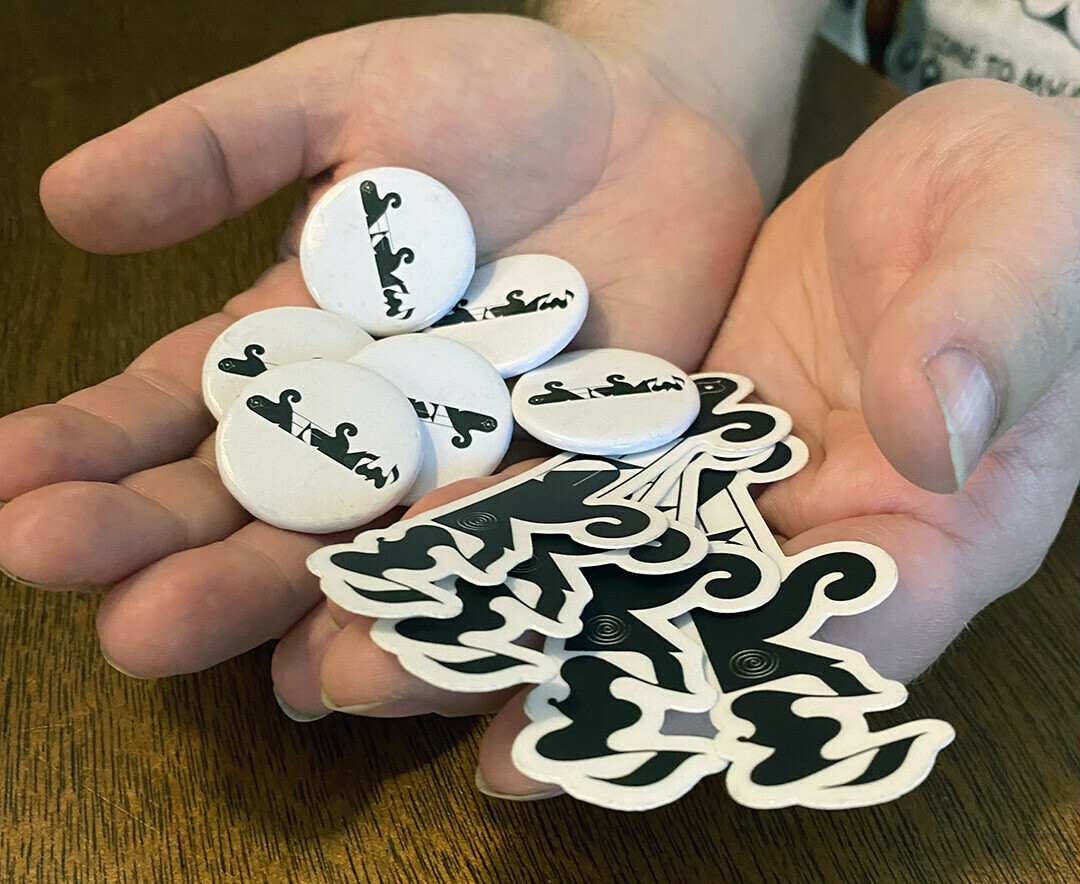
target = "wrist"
x: 737, y: 63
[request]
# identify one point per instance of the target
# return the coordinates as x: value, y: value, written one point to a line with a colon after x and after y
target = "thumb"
x: 988, y: 323
x: 964, y: 350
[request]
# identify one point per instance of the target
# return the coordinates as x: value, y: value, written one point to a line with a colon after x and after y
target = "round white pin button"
x: 460, y: 400
x: 319, y: 446
x: 390, y: 248
x: 606, y: 402
x: 518, y: 311
x: 260, y: 341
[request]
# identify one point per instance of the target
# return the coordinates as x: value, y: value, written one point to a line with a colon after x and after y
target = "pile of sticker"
x: 630, y: 579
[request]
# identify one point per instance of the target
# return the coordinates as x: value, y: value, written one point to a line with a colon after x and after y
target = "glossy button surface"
x: 518, y: 312
x: 319, y: 446
x: 460, y: 400
x: 269, y: 338
x: 605, y: 402
x: 390, y: 248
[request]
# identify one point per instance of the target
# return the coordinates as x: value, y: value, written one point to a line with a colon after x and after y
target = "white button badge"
x: 606, y: 402
x: 518, y: 311
x: 460, y: 400
x: 319, y: 446
x: 390, y: 248
x: 269, y: 338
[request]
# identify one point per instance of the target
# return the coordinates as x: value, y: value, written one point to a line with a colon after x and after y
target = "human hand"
x: 552, y: 145
x: 951, y: 225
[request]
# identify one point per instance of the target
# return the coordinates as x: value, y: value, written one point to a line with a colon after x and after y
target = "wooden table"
x: 200, y: 778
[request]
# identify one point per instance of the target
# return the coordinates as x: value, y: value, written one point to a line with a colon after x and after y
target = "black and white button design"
x: 319, y: 446
x: 269, y: 338
x: 518, y: 312
x: 606, y: 402
x: 390, y: 248
x: 460, y: 400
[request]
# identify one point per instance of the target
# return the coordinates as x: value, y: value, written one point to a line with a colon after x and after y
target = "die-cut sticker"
x: 597, y: 729
x: 393, y: 572
x: 474, y: 650
x: 791, y: 713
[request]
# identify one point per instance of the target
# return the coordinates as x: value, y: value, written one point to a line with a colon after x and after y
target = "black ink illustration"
x: 555, y: 393
x: 513, y: 305
x: 250, y: 366
x: 464, y: 423
x: 797, y: 743
x: 459, y: 314
x: 618, y: 596
x: 432, y: 647
x: 594, y: 713
x: 280, y: 412
x: 375, y: 206
x: 387, y: 258
x: 729, y: 638
x: 388, y: 261
x: 1059, y: 18
x: 334, y: 445
x: 514, y: 522
x: 393, y: 305
x: 616, y: 385
x: 537, y: 596
x: 377, y: 476
x: 337, y: 446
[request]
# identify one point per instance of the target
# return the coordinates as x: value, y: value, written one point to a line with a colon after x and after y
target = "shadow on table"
x: 399, y: 793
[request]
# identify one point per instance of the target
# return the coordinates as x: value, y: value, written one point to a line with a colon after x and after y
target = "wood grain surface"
x: 200, y: 778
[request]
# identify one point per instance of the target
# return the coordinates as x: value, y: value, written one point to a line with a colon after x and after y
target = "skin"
x: 946, y: 227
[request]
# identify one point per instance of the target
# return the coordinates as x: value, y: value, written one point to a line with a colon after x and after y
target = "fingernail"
x: 296, y: 714
x: 51, y: 587
x: 123, y: 671
x: 357, y: 708
x: 483, y: 787
x: 969, y: 405
x: 18, y: 579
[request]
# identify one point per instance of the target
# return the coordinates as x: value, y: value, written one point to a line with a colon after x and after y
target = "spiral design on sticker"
x: 753, y: 663
x: 476, y: 521
x: 530, y: 564
x: 606, y: 629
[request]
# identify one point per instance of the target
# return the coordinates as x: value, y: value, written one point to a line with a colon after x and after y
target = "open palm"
x: 934, y: 233
x: 552, y: 147
x: 943, y: 240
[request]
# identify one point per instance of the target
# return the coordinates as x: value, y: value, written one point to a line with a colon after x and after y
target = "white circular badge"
x: 606, y: 402
x: 460, y: 400
x: 518, y: 311
x: 260, y: 341
x: 390, y: 248
x: 319, y: 446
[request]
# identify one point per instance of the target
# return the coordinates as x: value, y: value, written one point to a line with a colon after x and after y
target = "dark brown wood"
x: 200, y: 778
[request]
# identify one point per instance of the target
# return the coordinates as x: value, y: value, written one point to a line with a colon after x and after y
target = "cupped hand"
x: 915, y: 307
x: 552, y: 145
